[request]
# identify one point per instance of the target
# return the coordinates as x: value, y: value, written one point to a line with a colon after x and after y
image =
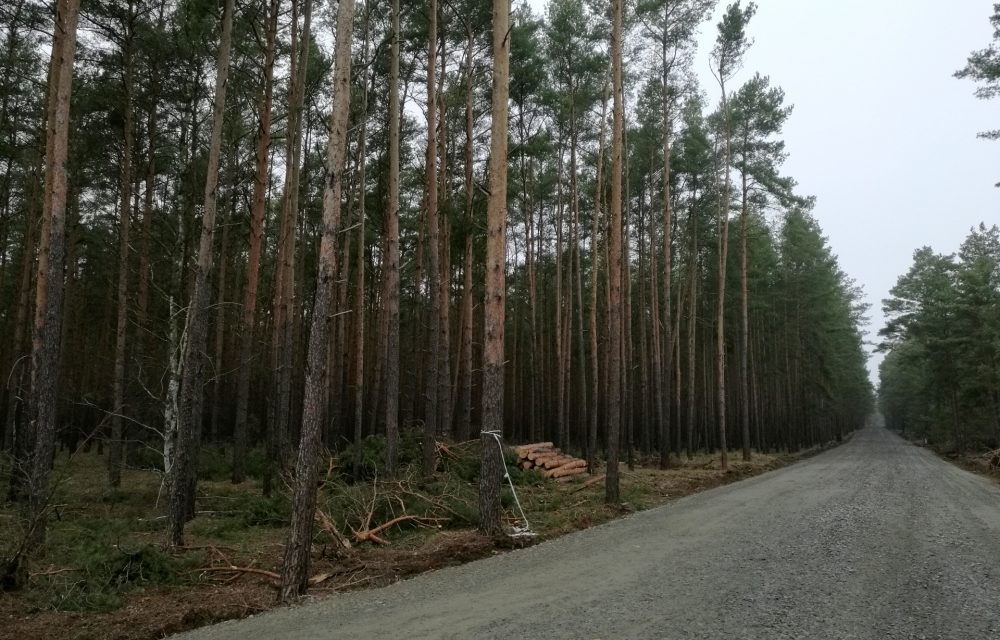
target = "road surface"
x: 874, y: 539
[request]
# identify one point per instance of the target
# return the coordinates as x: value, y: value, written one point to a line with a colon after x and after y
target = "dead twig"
x: 589, y: 483
x: 260, y: 572
x: 51, y: 572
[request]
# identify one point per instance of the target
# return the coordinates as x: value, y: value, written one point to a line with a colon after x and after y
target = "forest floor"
x: 106, y: 572
x: 981, y: 461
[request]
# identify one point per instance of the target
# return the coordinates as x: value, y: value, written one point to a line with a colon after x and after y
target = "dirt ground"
x: 209, y: 591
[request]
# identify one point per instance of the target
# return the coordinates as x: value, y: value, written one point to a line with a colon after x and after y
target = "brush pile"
x: 550, y: 461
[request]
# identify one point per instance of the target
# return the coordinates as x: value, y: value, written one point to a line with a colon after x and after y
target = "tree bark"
x: 744, y: 327
x: 496, y: 265
x: 611, y: 491
x: 444, y: 426
x: 220, y: 308
x: 295, y: 568
x: 720, y: 307
x: 692, y: 333
x: 433, y: 248
x: 284, y: 304
x: 664, y: 395
x: 124, y: 224
x: 464, y: 423
x: 46, y: 347
x: 185, y: 471
x: 248, y: 321
x: 359, y: 269
x: 392, y: 260
x: 595, y: 387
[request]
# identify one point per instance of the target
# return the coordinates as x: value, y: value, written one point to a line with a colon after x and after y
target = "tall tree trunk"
x: 392, y: 259
x: 359, y: 269
x: 149, y: 189
x: 124, y: 224
x: 295, y: 568
x: 656, y: 343
x: 561, y: 428
x: 744, y: 327
x: 664, y: 395
x: 444, y: 426
x: 595, y: 387
x: 464, y: 426
x: 496, y: 266
x: 578, y: 279
x: 46, y: 347
x: 692, y: 333
x: 433, y: 248
x: 628, y: 422
x: 720, y: 306
x: 284, y: 304
x: 611, y: 493
x: 15, y: 435
x: 185, y: 471
x: 262, y: 175
x: 220, y: 310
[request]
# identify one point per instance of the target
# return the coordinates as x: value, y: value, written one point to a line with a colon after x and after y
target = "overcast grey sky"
x: 882, y: 134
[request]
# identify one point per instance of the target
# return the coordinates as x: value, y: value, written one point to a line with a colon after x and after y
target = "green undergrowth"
x: 447, y: 500
x: 104, y: 543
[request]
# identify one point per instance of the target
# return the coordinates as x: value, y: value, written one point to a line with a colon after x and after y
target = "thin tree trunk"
x: 284, y: 305
x: 692, y: 335
x: 433, y: 248
x: 464, y: 427
x: 578, y: 279
x: 295, y: 568
x: 444, y: 426
x: 595, y: 387
x: 744, y: 328
x: 392, y: 260
x: 668, y: 352
x: 220, y: 311
x: 720, y: 307
x: 262, y: 175
x: 185, y: 472
x: 15, y: 436
x: 359, y: 269
x: 149, y: 189
x: 124, y: 224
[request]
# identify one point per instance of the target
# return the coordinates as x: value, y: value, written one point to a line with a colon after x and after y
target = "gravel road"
x: 874, y: 539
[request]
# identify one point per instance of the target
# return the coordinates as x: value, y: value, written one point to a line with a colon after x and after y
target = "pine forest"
x: 324, y: 266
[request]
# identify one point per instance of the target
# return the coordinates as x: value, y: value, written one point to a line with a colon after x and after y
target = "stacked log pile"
x: 548, y: 459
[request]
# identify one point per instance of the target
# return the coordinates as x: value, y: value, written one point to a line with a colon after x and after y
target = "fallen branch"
x: 371, y: 535
x: 589, y: 483
x: 320, y: 578
x: 260, y: 572
x: 51, y: 572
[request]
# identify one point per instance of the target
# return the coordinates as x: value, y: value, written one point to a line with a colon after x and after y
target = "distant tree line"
x: 940, y: 379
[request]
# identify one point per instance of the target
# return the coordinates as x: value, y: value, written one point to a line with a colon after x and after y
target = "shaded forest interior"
x: 284, y: 238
